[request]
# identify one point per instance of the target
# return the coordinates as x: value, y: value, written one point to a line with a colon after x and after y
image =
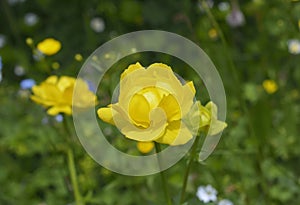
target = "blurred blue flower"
x: 207, y: 193
x: 225, y: 202
x: 91, y: 85
x: 59, y: 118
x: 236, y: 17
x: 27, y: 84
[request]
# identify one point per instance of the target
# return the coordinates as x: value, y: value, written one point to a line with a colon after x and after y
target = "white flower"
x: 19, y: 70
x: 2, y: 40
x: 225, y: 202
x: 224, y: 6
x: 294, y: 46
x: 30, y: 19
x: 207, y: 193
x: 235, y: 18
x: 97, y: 24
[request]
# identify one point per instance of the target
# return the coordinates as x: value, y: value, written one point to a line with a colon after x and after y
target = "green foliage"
x: 257, y: 159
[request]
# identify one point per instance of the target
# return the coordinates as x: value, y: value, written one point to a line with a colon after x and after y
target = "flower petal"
x: 55, y: 110
x: 64, y: 82
x: 176, y: 134
x: 130, y: 69
x: 191, y: 86
x: 46, y: 94
x: 153, y: 96
x: 106, y: 114
x: 52, y: 79
x: 139, y: 110
x: 154, y: 131
x: 161, y: 65
x: 171, y: 107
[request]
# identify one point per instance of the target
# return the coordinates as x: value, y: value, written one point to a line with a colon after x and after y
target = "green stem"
x: 163, y: 178
x: 187, y: 171
x: 73, y: 175
x: 71, y: 166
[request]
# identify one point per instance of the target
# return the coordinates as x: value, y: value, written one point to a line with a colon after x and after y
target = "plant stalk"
x: 71, y: 166
x: 163, y: 177
x: 187, y: 171
x: 73, y: 175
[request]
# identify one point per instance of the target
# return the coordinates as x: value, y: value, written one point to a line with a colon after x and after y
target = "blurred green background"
x: 257, y: 160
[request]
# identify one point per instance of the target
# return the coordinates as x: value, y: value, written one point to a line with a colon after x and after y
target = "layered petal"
x: 55, y: 110
x: 106, y: 114
x: 139, y: 110
x: 171, y: 107
x: 176, y: 133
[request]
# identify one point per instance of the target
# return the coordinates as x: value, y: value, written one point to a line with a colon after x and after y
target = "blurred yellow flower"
x: 145, y: 147
x: 57, y: 94
x: 270, y: 86
x: 29, y: 41
x: 49, y: 46
x: 151, y: 105
x: 55, y: 65
x: 212, y: 33
x: 78, y: 57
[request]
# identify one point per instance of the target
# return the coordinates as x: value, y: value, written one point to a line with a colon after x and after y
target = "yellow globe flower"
x: 151, y: 105
x: 49, y: 46
x: 57, y: 94
x: 270, y: 86
x: 145, y: 147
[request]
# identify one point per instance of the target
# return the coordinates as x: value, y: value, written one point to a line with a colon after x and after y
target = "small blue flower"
x: 91, y: 86
x: 59, y: 118
x: 0, y: 64
x: 27, y: 84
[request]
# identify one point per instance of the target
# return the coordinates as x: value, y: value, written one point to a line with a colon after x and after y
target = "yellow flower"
x: 270, y: 86
x: 145, y: 147
x: 49, y: 46
x: 57, y: 94
x: 212, y: 33
x: 29, y: 41
x: 151, y: 105
x: 78, y: 57
x: 55, y: 65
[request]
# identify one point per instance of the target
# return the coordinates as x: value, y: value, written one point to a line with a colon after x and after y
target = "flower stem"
x: 163, y: 178
x: 71, y: 166
x: 72, y: 170
x: 190, y: 162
